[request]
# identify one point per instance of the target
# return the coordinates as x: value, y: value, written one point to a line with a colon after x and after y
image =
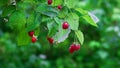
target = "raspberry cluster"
x: 74, y: 47
x: 33, y: 38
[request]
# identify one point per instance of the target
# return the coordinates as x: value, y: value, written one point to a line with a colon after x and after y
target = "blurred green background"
x: 101, y: 48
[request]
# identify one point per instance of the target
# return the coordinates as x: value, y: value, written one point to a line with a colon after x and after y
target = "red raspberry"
x: 77, y: 47
x: 49, y: 2
x: 59, y: 7
x: 31, y: 33
x: 72, y: 48
x: 51, y: 40
x: 34, y: 39
x: 65, y: 25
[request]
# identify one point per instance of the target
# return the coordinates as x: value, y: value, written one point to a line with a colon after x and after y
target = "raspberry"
x: 77, y: 47
x: 59, y: 7
x: 31, y: 33
x: 65, y: 25
x: 51, y: 40
x: 49, y: 2
x: 72, y: 48
x: 34, y: 39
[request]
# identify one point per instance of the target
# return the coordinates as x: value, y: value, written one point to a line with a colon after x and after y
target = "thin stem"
x: 74, y: 38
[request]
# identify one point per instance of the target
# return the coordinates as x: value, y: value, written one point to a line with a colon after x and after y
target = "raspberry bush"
x: 59, y: 18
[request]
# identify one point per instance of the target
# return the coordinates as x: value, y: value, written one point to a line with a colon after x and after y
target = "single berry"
x: 77, y: 47
x: 49, y: 2
x: 51, y: 40
x: 65, y: 25
x: 31, y: 33
x: 34, y: 39
x: 72, y: 48
x: 59, y: 7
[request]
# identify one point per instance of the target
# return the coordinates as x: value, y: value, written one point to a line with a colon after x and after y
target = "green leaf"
x: 81, y: 11
x: 42, y: 8
x: 23, y: 38
x: 63, y: 12
x: 52, y: 27
x: 71, y: 3
x: 84, y: 14
x: 80, y: 36
x: 47, y: 10
x: 57, y: 20
x: 42, y: 1
x: 57, y: 2
x: 3, y: 3
x: 90, y: 20
x: 73, y: 20
x: 33, y: 21
x: 23, y: 5
x: 37, y: 31
x: 8, y: 10
x: 29, y: 1
x: 93, y: 17
x: 45, y: 18
x: 17, y: 20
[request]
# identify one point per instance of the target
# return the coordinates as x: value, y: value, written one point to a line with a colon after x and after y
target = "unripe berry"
x: 51, y: 40
x: 65, y: 25
x: 49, y: 2
x: 31, y: 33
x: 34, y: 39
x: 59, y: 7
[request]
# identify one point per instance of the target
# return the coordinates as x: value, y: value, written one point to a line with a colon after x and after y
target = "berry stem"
x: 75, y: 38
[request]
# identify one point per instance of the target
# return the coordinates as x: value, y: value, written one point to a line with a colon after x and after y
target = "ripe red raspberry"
x: 51, y: 40
x: 77, y: 47
x: 72, y: 48
x: 49, y: 2
x: 34, y: 39
x: 59, y: 7
x: 31, y: 33
x: 65, y: 25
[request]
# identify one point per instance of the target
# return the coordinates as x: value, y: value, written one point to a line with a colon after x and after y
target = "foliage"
x: 24, y: 16
x: 101, y: 47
